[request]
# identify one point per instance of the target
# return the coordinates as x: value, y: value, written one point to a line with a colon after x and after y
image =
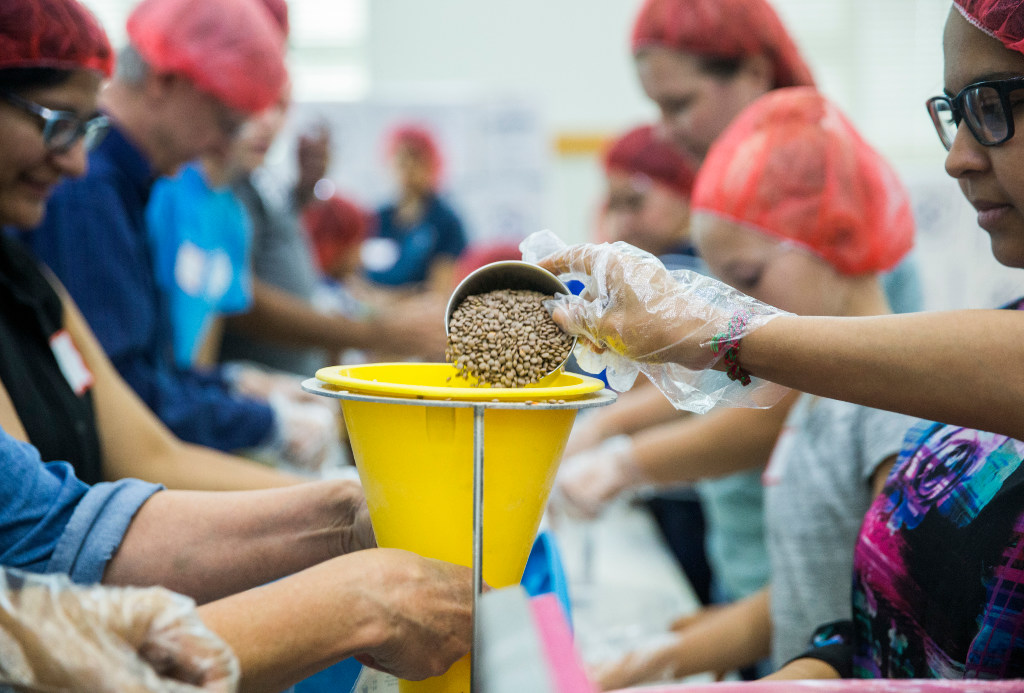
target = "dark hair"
x: 24, y: 78
x: 723, y: 68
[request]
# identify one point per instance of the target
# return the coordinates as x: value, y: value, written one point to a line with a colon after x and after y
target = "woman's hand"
x: 638, y: 309
x: 655, y: 661
x: 589, y: 481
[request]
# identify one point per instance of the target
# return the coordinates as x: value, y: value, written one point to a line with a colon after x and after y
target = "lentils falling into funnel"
x: 505, y: 338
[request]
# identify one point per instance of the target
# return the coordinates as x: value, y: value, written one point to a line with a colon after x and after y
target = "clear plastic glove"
x: 74, y: 638
x: 635, y: 316
x: 261, y: 384
x: 586, y: 433
x: 307, y: 434
x: 654, y: 661
x: 587, y: 482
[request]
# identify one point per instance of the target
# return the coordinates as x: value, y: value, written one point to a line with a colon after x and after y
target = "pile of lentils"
x: 505, y: 338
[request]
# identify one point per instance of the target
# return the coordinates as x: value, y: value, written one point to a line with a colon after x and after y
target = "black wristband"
x: 832, y: 643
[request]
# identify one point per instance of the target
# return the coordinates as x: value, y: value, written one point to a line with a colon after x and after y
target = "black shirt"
x: 60, y: 422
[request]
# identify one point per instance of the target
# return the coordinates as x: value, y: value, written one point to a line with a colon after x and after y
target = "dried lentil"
x: 505, y: 338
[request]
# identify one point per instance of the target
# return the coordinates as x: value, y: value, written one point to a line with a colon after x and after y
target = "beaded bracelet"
x: 727, y: 343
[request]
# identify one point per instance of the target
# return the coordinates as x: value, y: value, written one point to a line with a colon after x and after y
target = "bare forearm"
x: 722, y: 442
x: 803, y: 669
x: 208, y: 545
x: 733, y: 637
x: 640, y: 408
x: 188, y: 467
x: 727, y: 638
x: 279, y: 317
x: 961, y: 367
x: 282, y: 632
x: 203, y: 469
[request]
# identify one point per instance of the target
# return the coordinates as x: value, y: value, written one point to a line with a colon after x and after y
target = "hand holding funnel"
x: 420, y: 436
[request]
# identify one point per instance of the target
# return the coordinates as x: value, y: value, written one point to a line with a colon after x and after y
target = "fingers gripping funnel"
x: 420, y: 436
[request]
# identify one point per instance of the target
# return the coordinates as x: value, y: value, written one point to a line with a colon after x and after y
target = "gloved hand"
x: 588, y: 481
x: 100, y: 639
x: 654, y: 661
x: 635, y: 316
x: 588, y: 432
x: 307, y: 433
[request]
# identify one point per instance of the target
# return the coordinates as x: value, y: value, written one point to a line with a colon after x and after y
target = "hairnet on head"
x: 335, y: 226
x: 279, y: 11
x: 419, y: 141
x: 1001, y: 19
x: 639, y: 151
x: 59, y: 34
x: 792, y: 166
x: 722, y: 29
x: 231, y: 49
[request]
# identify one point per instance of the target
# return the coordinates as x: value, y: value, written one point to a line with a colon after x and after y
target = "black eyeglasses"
x: 62, y: 129
x: 984, y: 106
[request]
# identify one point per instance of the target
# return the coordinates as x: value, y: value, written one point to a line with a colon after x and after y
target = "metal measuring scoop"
x: 506, y: 274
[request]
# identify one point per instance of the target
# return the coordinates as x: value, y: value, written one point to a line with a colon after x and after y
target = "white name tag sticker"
x: 71, y: 363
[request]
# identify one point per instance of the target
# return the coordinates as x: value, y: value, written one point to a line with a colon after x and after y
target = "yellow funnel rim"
x: 400, y: 380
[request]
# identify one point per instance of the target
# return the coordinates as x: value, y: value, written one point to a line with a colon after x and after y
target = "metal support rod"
x: 478, y: 531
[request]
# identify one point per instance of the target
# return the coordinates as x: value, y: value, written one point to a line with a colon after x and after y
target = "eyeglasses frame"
x: 50, y: 117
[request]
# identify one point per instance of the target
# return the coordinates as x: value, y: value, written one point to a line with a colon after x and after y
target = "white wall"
x: 570, y: 56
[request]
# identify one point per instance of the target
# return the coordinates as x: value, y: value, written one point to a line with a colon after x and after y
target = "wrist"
x: 628, y: 473
x: 804, y: 669
x: 344, y: 515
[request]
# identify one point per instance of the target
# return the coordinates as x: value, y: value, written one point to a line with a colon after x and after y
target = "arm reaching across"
x: 398, y: 612
x: 916, y: 364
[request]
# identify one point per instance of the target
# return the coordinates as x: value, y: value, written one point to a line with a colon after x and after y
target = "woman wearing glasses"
x: 937, y: 579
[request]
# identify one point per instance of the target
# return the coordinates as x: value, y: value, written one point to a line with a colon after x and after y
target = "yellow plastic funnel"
x: 411, y: 427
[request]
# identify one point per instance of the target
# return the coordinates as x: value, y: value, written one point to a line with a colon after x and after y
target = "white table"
x: 624, y: 582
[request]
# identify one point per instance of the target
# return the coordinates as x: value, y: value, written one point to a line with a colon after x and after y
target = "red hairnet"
x: 477, y: 255
x: 279, y: 11
x: 59, y: 34
x: 640, y: 151
x: 418, y: 140
x: 722, y: 29
x: 1001, y: 19
x: 335, y: 226
x: 791, y: 165
x: 231, y: 49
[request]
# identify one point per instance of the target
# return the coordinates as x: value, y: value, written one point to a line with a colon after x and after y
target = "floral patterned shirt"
x: 938, y: 584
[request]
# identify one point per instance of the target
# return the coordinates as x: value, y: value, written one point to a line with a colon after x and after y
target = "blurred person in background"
x: 283, y: 330
x: 418, y: 238
x: 647, y: 204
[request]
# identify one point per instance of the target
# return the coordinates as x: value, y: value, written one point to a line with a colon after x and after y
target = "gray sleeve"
x: 882, y: 434
x: 97, y: 527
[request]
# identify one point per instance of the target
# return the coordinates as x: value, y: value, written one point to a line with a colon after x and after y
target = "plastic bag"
x: 57, y: 635
x: 663, y: 299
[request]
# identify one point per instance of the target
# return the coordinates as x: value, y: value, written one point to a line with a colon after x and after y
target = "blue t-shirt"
x: 200, y: 242
x: 94, y: 239
x: 50, y: 522
x: 411, y: 251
